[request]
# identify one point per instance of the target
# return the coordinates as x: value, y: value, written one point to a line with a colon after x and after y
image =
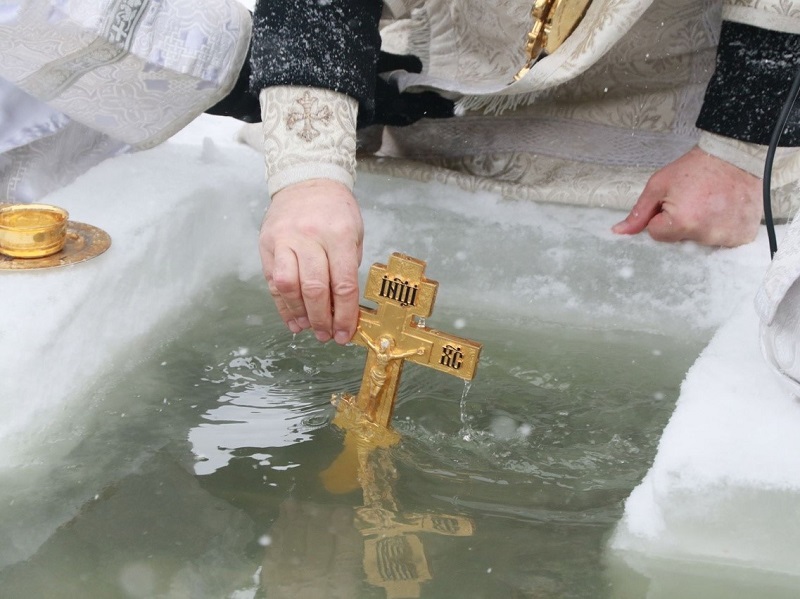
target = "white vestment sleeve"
x: 135, y: 70
x: 309, y: 133
x: 777, y: 15
x: 751, y: 157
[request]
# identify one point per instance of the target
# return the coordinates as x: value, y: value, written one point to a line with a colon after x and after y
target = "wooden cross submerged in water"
x: 396, y: 332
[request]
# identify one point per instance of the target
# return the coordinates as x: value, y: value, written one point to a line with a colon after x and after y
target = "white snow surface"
x: 725, y: 485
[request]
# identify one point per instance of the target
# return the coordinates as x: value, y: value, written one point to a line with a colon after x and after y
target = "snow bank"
x: 176, y: 216
x: 725, y: 484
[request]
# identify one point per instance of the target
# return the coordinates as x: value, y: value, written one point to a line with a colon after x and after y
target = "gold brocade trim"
x: 553, y: 22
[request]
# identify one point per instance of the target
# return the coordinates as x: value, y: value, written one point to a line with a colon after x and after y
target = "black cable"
x: 780, y: 125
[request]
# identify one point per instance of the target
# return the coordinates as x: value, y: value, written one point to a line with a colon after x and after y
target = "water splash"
x: 317, y: 420
x: 466, y: 430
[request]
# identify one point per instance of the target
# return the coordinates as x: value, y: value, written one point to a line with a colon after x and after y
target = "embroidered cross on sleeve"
x: 309, y: 133
x: 309, y: 115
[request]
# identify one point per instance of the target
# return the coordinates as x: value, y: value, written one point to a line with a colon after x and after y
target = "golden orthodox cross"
x: 394, y: 333
x: 394, y: 556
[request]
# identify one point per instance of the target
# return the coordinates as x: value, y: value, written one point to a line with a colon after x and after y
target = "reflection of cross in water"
x: 394, y: 555
x: 403, y: 293
x: 308, y: 116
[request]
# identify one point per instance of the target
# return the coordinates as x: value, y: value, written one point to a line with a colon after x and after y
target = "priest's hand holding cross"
x: 310, y: 251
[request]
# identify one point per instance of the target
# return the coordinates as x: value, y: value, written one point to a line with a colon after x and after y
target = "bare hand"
x: 310, y: 244
x: 698, y: 198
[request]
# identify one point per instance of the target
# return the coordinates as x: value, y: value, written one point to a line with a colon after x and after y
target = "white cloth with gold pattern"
x: 135, y: 70
x: 614, y: 103
x: 81, y: 81
x: 308, y: 133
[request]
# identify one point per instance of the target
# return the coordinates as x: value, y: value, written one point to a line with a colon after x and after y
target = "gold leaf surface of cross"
x: 393, y: 333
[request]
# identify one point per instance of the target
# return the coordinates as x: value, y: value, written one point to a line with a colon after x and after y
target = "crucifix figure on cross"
x: 385, y: 352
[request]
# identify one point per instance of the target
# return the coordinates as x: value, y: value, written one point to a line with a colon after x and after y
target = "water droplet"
x: 466, y: 430
x: 524, y: 430
x: 254, y: 320
x: 503, y: 427
x: 316, y: 420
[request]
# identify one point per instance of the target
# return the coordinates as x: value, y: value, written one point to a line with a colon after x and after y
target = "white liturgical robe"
x: 105, y: 75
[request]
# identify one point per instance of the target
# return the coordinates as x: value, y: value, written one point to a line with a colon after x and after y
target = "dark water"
x: 196, y: 473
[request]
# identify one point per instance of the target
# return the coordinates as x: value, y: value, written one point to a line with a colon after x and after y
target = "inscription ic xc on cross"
x: 394, y: 334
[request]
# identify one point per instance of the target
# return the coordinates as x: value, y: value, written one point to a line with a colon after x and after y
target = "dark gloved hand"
x: 240, y: 103
x: 391, y: 107
x: 398, y: 109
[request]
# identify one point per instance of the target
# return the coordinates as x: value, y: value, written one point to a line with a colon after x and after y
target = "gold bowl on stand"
x: 32, y: 230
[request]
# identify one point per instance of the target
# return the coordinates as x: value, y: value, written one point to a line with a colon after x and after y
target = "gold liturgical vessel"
x: 394, y: 556
x: 34, y: 236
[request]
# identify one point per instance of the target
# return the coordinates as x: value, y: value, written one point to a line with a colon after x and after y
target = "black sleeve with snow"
x: 332, y: 44
x: 240, y: 103
x: 755, y: 70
